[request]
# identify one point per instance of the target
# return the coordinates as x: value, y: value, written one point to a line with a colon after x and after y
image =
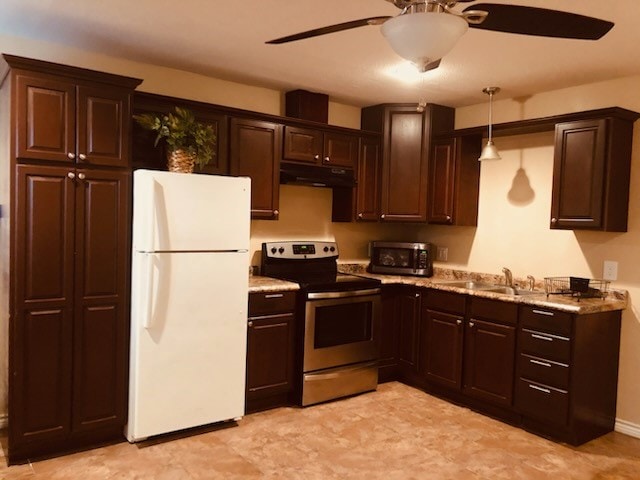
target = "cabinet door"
x: 101, y: 306
x: 41, y: 327
x: 255, y: 151
x: 442, y: 174
x: 103, y: 126
x: 302, y: 145
x: 269, y: 355
x: 489, y: 361
x: 578, y: 174
x: 388, y: 336
x: 443, y: 348
x: 45, y: 118
x: 340, y: 150
x: 368, y: 188
x: 404, y: 173
x: 409, y: 329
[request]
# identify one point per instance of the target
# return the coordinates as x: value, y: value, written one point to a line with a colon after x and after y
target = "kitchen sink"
x: 512, y: 291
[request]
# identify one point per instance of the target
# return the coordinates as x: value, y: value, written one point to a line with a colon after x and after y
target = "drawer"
x: 266, y: 303
x: 494, y: 310
x: 542, y: 402
x: 446, y: 301
x: 544, y: 370
x: 546, y: 320
x: 544, y: 345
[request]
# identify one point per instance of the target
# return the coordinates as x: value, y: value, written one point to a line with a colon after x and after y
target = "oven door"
x: 341, y: 328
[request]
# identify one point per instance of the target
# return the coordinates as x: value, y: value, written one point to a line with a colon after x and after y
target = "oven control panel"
x: 301, y: 250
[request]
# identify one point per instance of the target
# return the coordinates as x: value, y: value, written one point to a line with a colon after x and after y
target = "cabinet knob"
x: 316, y: 157
x: 250, y: 324
x: 276, y: 212
x: 71, y: 155
x: 359, y: 215
x: 417, y: 295
x: 82, y: 156
x: 459, y: 322
x: 71, y: 175
x: 471, y: 324
x: 448, y: 218
x: 554, y: 220
x: 327, y: 159
x: 382, y: 216
x: 82, y: 176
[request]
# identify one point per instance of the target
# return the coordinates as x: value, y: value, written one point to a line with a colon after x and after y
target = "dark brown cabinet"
x: 408, y: 318
x: 369, y: 181
x: 406, y: 140
x: 68, y: 376
x: 147, y: 155
x: 489, y: 351
x: 567, y: 370
x: 592, y: 161
x: 389, y: 330
x: 454, y: 180
x: 306, y: 145
x: 61, y: 120
x: 270, y: 349
x: 254, y: 151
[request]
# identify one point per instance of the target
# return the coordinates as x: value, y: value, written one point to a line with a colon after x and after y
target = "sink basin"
x: 468, y: 284
x: 512, y: 291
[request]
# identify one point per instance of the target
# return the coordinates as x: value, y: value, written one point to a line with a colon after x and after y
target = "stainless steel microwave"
x: 402, y: 258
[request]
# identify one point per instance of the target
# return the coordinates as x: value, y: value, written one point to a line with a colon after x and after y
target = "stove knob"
x: 333, y: 249
x: 281, y: 250
x: 273, y: 250
x: 326, y: 249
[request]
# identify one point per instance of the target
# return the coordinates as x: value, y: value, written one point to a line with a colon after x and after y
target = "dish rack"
x: 576, y: 287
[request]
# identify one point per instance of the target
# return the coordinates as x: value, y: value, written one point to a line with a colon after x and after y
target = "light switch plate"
x: 443, y: 254
x: 610, y: 270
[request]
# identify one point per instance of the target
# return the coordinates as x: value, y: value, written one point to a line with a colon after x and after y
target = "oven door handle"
x: 343, y: 294
x: 339, y: 372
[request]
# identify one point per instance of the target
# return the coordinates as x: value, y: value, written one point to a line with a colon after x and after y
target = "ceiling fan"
x: 425, y: 30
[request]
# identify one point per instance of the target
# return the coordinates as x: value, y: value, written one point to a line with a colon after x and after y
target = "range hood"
x: 316, y: 176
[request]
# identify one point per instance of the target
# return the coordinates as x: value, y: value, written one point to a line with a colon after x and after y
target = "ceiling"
x: 226, y: 39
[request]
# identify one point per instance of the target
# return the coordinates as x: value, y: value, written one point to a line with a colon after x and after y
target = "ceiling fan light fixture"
x: 490, y: 152
x: 424, y: 37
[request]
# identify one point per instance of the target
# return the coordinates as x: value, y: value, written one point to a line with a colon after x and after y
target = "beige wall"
x: 515, y: 203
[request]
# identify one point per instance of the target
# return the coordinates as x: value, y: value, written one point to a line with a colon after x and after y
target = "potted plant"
x: 189, y: 142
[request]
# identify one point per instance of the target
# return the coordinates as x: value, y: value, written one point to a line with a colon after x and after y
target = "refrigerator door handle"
x: 147, y: 303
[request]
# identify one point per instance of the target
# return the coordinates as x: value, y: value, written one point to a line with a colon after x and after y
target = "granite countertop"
x: 615, y: 300
x: 267, y: 284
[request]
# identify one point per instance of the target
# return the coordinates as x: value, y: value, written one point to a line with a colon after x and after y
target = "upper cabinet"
x: 315, y: 147
x: 406, y: 144
x: 368, y: 188
x: 592, y: 162
x: 71, y: 115
x: 454, y: 180
x: 255, y: 148
x: 147, y: 155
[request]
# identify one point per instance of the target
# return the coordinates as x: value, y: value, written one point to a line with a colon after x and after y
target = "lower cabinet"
x: 270, y: 350
x: 408, y: 318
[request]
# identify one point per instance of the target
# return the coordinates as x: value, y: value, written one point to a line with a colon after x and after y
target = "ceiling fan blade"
x: 540, y: 22
x: 331, y: 29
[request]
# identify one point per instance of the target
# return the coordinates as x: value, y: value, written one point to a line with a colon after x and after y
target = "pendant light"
x: 490, y: 152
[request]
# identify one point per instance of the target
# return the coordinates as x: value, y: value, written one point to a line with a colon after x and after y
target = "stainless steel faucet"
x: 532, y: 282
x: 508, y: 277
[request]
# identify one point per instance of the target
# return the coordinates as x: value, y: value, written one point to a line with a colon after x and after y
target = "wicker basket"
x: 180, y: 161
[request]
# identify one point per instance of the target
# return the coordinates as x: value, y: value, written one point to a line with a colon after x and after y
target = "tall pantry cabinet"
x: 65, y: 198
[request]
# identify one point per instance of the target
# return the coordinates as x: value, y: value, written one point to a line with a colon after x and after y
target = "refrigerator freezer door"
x: 190, y: 212
x: 188, y: 340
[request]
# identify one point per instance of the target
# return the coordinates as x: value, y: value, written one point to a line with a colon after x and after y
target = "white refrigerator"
x: 189, y: 290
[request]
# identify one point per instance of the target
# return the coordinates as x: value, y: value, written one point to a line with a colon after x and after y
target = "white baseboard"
x: 628, y: 428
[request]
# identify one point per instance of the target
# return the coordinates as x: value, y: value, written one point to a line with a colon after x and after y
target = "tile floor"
x: 397, y: 432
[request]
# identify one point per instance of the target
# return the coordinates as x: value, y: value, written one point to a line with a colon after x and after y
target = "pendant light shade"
x: 490, y: 152
x: 424, y: 37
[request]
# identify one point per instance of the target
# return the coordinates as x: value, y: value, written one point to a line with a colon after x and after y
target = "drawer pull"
x: 274, y: 295
x: 542, y: 312
x: 540, y: 389
x: 541, y: 337
x: 538, y: 362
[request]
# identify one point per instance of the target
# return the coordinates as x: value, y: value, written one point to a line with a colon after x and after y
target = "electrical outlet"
x: 443, y: 253
x: 610, y: 270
